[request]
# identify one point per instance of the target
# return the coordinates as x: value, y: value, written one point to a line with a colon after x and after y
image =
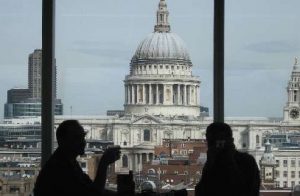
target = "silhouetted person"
x: 227, y: 171
x: 62, y: 174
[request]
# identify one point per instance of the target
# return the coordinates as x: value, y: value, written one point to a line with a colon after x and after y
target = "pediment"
x: 146, y: 119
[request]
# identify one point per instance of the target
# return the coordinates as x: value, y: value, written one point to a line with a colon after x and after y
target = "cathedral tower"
x: 292, y: 108
x: 160, y: 80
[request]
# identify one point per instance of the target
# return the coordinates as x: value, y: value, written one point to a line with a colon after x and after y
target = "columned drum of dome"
x: 160, y: 80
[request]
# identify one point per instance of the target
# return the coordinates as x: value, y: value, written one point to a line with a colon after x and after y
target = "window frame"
x: 48, y: 47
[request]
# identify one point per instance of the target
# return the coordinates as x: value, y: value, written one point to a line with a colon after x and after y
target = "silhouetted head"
x: 70, y: 137
x: 218, y: 134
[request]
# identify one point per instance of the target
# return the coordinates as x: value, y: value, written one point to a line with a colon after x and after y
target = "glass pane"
x: 262, y: 83
x: 135, y: 74
x: 20, y: 100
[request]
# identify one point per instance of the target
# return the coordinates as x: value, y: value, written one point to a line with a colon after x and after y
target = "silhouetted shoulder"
x: 244, y: 156
x: 250, y: 172
x: 60, y: 177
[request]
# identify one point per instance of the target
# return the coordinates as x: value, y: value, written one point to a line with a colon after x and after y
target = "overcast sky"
x: 95, y: 40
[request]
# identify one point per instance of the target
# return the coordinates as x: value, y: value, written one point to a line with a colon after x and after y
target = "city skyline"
x: 95, y: 42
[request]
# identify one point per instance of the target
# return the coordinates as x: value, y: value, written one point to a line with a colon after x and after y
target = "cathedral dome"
x: 162, y: 45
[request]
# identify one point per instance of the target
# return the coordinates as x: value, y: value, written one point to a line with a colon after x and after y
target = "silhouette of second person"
x: 62, y: 174
x: 227, y: 171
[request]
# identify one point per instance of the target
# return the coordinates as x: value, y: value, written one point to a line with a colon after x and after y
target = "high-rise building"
x: 17, y: 95
x: 27, y: 102
x: 35, y: 74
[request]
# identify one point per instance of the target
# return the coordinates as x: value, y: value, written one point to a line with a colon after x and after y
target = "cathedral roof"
x: 162, y: 45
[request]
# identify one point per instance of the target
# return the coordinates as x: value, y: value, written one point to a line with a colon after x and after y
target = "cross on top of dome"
x: 162, y: 23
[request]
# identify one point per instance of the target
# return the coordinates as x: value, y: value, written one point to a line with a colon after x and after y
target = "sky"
x: 95, y: 40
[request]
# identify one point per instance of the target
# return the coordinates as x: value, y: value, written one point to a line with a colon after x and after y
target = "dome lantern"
x: 162, y: 14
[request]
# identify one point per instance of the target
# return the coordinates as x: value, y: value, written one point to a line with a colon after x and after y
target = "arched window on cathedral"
x: 147, y: 135
x: 124, y: 161
x: 257, y: 139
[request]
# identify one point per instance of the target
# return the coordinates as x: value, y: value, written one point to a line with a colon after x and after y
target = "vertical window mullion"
x: 219, y: 60
x: 48, y: 53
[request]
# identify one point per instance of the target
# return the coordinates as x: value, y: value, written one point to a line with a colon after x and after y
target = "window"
x: 285, y: 163
x: 147, y: 135
x: 20, y: 64
x: 257, y: 139
x: 151, y: 171
x: 293, y: 174
x: 285, y: 174
x: 124, y: 161
x: 293, y: 163
x: 292, y: 184
x: 88, y: 54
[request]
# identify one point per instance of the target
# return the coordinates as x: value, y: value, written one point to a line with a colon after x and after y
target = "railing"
x: 162, y: 76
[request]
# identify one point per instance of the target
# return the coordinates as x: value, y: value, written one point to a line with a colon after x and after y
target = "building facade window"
x: 292, y: 184
x: 124, y: 161
x: 257, y: 139
x: 285, y: 174
x: 293, y: 174
x: 293, y: 163
x: 285, y: 163
x: 147, y: 135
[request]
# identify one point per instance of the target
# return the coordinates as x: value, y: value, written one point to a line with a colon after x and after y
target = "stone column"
x: 132, y: 94
x: 191, y: 95
x: 184, y: 95
x: 196, y: 94
x: 178, y: 94
x: 144, y: 94
x: 141, y: 162
x: 136, y: 161
x: 157, y: 94
x: 128, y: 94
x: 137, y: 93
x: 163, y: 95
x: 188, y: 95
x: 150, y: 94
x: 126, y: 86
